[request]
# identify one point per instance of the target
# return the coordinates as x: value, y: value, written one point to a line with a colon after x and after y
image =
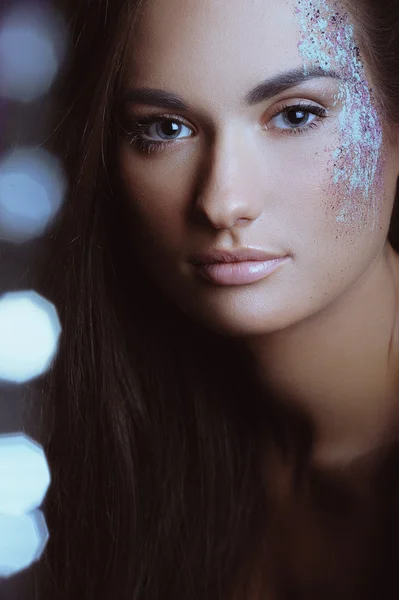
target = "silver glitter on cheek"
x: 357, y: 164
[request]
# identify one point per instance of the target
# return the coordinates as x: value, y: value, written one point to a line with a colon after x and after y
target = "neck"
x: 340, y: 367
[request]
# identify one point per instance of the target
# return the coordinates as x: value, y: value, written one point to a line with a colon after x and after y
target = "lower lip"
x: 239, y: 273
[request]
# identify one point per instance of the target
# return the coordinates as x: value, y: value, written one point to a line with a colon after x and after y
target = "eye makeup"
x: 139, y: 135
x: 328, y: 40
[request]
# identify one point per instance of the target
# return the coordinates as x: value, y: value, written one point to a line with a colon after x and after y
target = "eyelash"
x: 137, y: 139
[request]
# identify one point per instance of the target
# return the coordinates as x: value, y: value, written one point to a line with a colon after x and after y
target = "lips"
x: 240, y: 272
x: 232, y: 256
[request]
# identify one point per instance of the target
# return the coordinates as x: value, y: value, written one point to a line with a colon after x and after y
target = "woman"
x: 217, y: 430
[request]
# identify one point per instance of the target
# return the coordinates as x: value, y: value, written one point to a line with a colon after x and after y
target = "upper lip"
x: 227, y: 256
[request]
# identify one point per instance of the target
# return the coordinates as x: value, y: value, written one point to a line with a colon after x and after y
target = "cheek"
x: 304, y: 190
x: 358, y: 164
x: 331, y: 250
x: 156, y: 190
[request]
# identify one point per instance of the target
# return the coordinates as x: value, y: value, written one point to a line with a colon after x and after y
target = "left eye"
x: 166, y: 130
x: 293, y: 118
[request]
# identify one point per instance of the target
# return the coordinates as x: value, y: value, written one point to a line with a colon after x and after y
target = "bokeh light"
x: 32, y: 46
x: 29, y: 333
x: 24, y: 481
x: 22, y: 541
x: 24, y: 474
x: 33, y: 43
x: 32, y: 188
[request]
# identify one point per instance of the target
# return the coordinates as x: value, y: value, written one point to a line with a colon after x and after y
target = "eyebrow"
x: 266, y: 90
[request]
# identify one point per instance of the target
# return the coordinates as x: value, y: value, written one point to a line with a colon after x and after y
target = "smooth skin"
x: 323, y: 328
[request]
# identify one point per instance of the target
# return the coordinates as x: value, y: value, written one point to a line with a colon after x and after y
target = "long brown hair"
x: 154, y: 428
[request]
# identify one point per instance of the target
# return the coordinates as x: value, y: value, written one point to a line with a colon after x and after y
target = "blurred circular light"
x: 32, y: 43
x: 29, y: 333
x: 24, y: 481
x: 22, y: 541
x: 24, y: 474
x: 32, y: 188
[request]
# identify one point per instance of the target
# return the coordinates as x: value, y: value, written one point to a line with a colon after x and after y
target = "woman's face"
x: 299, y: 167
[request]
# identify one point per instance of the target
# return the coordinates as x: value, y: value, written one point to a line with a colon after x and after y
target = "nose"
x: 229, y: 192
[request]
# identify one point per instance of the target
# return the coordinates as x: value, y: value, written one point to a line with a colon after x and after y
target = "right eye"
x: 297, y: 118
x: 165, y: 128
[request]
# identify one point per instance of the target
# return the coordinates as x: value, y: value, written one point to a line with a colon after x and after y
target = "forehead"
x: 228, y: 44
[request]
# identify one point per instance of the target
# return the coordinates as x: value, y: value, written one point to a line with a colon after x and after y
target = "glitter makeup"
x: 357, y: 164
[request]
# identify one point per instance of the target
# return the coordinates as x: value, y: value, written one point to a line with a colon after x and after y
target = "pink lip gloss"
x: 239, y: 273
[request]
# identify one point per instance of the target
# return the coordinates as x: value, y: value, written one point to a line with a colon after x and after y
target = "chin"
x: 239, y: 323
x: 238, y: 312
